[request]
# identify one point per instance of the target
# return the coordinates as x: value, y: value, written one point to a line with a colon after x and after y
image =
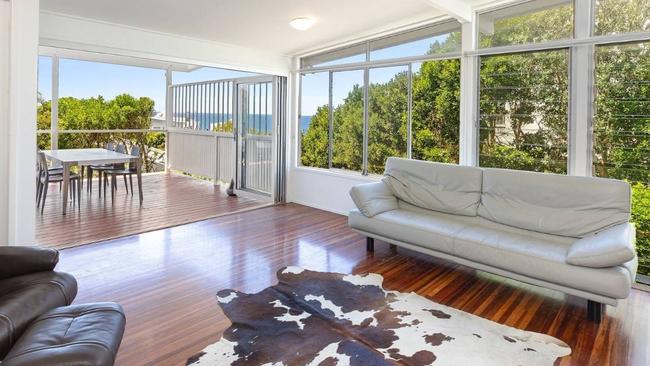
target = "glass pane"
x: 347, y: 93
x: 387, y: 116
x: 622, y: 129
x: 436, y: 111
x: 106, y: 96
x: 622, y: 16
x: 44, y: 111
x: 347, y: 55
x: 523, y: 111
x: 437, y: 39
x: 530, y: 22
x: 314, y: 120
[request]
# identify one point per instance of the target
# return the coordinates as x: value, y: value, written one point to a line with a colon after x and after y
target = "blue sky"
x: 82, y: 79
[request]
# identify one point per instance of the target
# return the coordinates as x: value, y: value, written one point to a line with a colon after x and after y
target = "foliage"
x: 524, y: 109
x: 122, y: 112
x: 641, y: 217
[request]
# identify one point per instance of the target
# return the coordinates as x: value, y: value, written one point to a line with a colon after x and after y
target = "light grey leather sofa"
x: 571, y: 234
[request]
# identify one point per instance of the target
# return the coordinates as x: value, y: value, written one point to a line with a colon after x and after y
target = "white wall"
x: 5, y: 24
x: 324, y: 189
x: 18, y: 70
x: 59, y: 30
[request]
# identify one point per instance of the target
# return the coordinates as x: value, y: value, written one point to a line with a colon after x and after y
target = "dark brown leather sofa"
x: 38, y: 326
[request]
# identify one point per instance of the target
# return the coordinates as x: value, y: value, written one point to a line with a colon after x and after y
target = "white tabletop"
x: 88, y: 156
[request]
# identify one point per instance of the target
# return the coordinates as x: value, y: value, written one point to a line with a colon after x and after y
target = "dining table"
x: 68, y: 158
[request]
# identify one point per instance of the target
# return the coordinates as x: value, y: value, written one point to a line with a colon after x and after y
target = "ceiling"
x: 260, y: 24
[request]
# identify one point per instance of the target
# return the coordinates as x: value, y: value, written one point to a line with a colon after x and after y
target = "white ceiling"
x: 260, y: 24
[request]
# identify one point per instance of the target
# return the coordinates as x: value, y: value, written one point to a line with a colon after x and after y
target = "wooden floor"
x: 167, y: 280
x: 169, y: 200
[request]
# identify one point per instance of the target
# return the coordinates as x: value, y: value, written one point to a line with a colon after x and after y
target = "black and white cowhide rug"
x: 314, y: 318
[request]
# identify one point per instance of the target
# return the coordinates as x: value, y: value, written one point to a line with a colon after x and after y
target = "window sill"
x: 339, y: 173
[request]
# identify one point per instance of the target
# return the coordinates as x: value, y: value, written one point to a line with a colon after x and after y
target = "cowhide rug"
x: 314, y: 318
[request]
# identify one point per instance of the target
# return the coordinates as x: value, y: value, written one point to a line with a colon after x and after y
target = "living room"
x: 334, y: 183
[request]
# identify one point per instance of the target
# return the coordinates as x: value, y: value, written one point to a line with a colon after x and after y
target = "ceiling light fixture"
x: 302, y: 23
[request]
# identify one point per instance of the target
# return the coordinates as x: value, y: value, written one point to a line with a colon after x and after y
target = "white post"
x: 169, y: 99
x: 5, y: 28
x: 54, y: 125
x: 469, y: 84
x: 581, y: 93
x: 23, y: 64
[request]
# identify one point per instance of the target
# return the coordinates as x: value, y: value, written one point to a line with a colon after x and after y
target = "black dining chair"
x: 135, y: 151
x: 46, y: 178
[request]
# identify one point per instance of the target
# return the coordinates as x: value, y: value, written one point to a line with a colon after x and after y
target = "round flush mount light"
x: 302, y: 23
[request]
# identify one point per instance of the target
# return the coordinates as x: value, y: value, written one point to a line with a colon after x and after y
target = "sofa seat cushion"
x: 86, y: 334
x: 539, y: 256
x: 24, y: 298
x: 429, y: 229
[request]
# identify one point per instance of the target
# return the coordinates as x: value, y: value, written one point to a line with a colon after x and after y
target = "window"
x: 314, y: 120
x: 44, y: 111
x: 411, y: 106
x: 529, y: 22
x: 523, y: 111
x: 347, y: 55
x: 622, y: 16
x: 622, y: 129
x: 348, y: 107
x: 436, y: 110
x: 387, y: 116
x: 437, y: 39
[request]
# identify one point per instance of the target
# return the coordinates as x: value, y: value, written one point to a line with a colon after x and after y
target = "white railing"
x: 205, y: 106
x: 202, y: 153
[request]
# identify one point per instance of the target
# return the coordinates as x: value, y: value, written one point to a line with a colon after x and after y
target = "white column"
x: 23, y: 64
x: 5, y: 26
x: 581, y: 79
x: 169, y: 99
x: 54, y: 126
x: 469, y: 83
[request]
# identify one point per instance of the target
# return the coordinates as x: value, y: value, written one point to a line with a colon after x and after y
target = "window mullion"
x: 330, y: 143
x: 581, y: 79
x: 469, y: 95
x: 366, y: 82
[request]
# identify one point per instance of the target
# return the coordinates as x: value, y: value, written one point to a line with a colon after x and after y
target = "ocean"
x: 206, y: 119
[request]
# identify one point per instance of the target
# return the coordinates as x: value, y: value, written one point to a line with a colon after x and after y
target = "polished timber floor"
x: 167, y: 280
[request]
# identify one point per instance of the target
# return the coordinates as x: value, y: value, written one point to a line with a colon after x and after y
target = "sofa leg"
x: 370, y: 244
x: 595, y: 311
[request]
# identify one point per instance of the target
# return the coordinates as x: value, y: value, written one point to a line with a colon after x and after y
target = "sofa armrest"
x: 608, y: 248
x: 17, y: 261
x: 373, y: 198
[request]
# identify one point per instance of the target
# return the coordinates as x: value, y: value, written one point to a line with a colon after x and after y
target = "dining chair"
x: 39, y: 172
x: 102, y: 168
x: 135, y: 151
x: 87, y: 171
x: 46, y: 178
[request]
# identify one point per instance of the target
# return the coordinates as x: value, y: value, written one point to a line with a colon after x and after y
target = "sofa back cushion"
x: 440, y: 187
x: 552, y: 203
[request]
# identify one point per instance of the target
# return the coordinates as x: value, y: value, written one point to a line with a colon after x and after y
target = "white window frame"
x: 582, y: 48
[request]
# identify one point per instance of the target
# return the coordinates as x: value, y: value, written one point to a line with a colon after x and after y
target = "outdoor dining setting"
x: 111, y: 162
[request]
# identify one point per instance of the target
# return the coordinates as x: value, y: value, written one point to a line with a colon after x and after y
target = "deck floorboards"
x: 169, y: 200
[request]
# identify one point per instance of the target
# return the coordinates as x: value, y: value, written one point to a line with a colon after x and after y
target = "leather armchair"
x: 35, y: 315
